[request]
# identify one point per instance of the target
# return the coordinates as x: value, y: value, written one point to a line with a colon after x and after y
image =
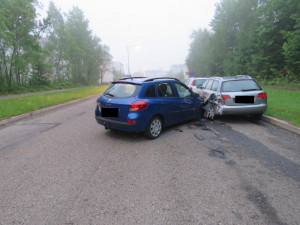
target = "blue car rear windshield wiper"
x: 109, y: 95
x: 250, y: 89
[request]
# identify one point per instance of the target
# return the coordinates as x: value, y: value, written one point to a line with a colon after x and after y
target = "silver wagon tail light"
x: 262, y: 95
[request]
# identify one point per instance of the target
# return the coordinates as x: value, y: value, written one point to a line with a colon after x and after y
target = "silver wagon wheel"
x: 210, y: 113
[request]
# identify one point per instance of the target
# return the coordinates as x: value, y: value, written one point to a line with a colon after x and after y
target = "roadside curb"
x: 282, y: 124
x: 39, y: 111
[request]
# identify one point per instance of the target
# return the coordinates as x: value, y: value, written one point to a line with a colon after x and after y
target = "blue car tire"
x: 154, y: 128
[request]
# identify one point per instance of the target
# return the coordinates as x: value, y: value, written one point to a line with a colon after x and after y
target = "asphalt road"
x: 61, y: 167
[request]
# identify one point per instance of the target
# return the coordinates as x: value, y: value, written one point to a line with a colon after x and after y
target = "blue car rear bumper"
x: 108, y: 122
x: 119, y: 125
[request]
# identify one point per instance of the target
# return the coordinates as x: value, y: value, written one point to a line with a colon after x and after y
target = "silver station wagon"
x: 240, y: 94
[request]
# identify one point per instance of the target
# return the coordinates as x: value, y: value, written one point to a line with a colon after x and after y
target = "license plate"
x: 244, y: 99
x: 109, y: 112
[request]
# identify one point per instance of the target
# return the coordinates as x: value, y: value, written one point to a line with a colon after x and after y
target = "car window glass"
x: 183, y: 92
x: 150, y: 91
x: 214, y: 87
x: 129, y: 90
x: 205, y: 83
x: 240, y: 85
x: 209, y: 84
x: 199, y: 82
x: 165, y: 90
x: 122, y: 90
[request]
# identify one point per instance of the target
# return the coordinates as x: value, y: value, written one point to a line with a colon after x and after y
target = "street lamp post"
x: 129, y: 46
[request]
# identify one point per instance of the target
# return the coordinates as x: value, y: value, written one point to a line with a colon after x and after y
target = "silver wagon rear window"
x: 240, y: 85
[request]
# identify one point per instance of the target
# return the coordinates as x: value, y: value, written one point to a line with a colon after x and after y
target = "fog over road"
x: 61, y: 167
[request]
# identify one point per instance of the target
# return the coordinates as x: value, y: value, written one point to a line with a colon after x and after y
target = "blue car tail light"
x: 138, y: 106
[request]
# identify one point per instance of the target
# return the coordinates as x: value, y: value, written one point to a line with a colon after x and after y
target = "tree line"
x: 59, y: 49
x: 255, y: 37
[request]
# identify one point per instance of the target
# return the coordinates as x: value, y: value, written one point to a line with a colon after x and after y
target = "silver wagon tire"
x: 210, y: 113
x: 154, y: 128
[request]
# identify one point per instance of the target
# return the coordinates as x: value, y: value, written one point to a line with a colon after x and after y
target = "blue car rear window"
x: 122, y: 90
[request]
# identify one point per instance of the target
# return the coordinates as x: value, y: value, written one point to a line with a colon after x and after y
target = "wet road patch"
x: 202, y: 126
x: 260, y: 151
x: 217, y: 153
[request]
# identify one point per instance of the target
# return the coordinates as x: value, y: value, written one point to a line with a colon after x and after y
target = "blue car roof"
x: 140, y: 80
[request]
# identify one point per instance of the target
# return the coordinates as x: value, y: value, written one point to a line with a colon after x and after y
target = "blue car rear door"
x: 168, y: 101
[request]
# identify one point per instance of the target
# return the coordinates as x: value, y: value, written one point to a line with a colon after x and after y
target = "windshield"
x: 240, y: 85
x: 122, y: 90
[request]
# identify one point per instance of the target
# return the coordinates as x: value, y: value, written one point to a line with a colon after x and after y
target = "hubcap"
x: 155, y: 127
x: 210, y: 113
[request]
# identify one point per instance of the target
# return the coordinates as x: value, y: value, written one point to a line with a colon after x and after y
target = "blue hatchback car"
x: 140, y: 104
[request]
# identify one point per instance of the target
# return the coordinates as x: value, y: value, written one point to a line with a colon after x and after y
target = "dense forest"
x: 59, y: 50
x: 260, y: 38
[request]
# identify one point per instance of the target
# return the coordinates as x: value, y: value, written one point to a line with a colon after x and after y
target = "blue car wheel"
x: 154, y: 127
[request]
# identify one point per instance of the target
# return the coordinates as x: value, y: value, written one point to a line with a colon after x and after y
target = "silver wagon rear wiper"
x: 250, y: 89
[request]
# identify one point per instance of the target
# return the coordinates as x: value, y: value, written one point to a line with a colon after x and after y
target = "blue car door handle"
x: 164, y: 103
x: 184, y: 102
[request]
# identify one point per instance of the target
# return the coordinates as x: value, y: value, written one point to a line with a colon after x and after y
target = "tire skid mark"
x: 261, y: 202
x: 22, y: 137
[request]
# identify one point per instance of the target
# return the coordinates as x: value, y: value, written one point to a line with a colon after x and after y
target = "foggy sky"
x: 161, y: 28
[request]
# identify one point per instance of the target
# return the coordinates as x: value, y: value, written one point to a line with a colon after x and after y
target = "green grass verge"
x: 16, y: 106
x: 284, y: 104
